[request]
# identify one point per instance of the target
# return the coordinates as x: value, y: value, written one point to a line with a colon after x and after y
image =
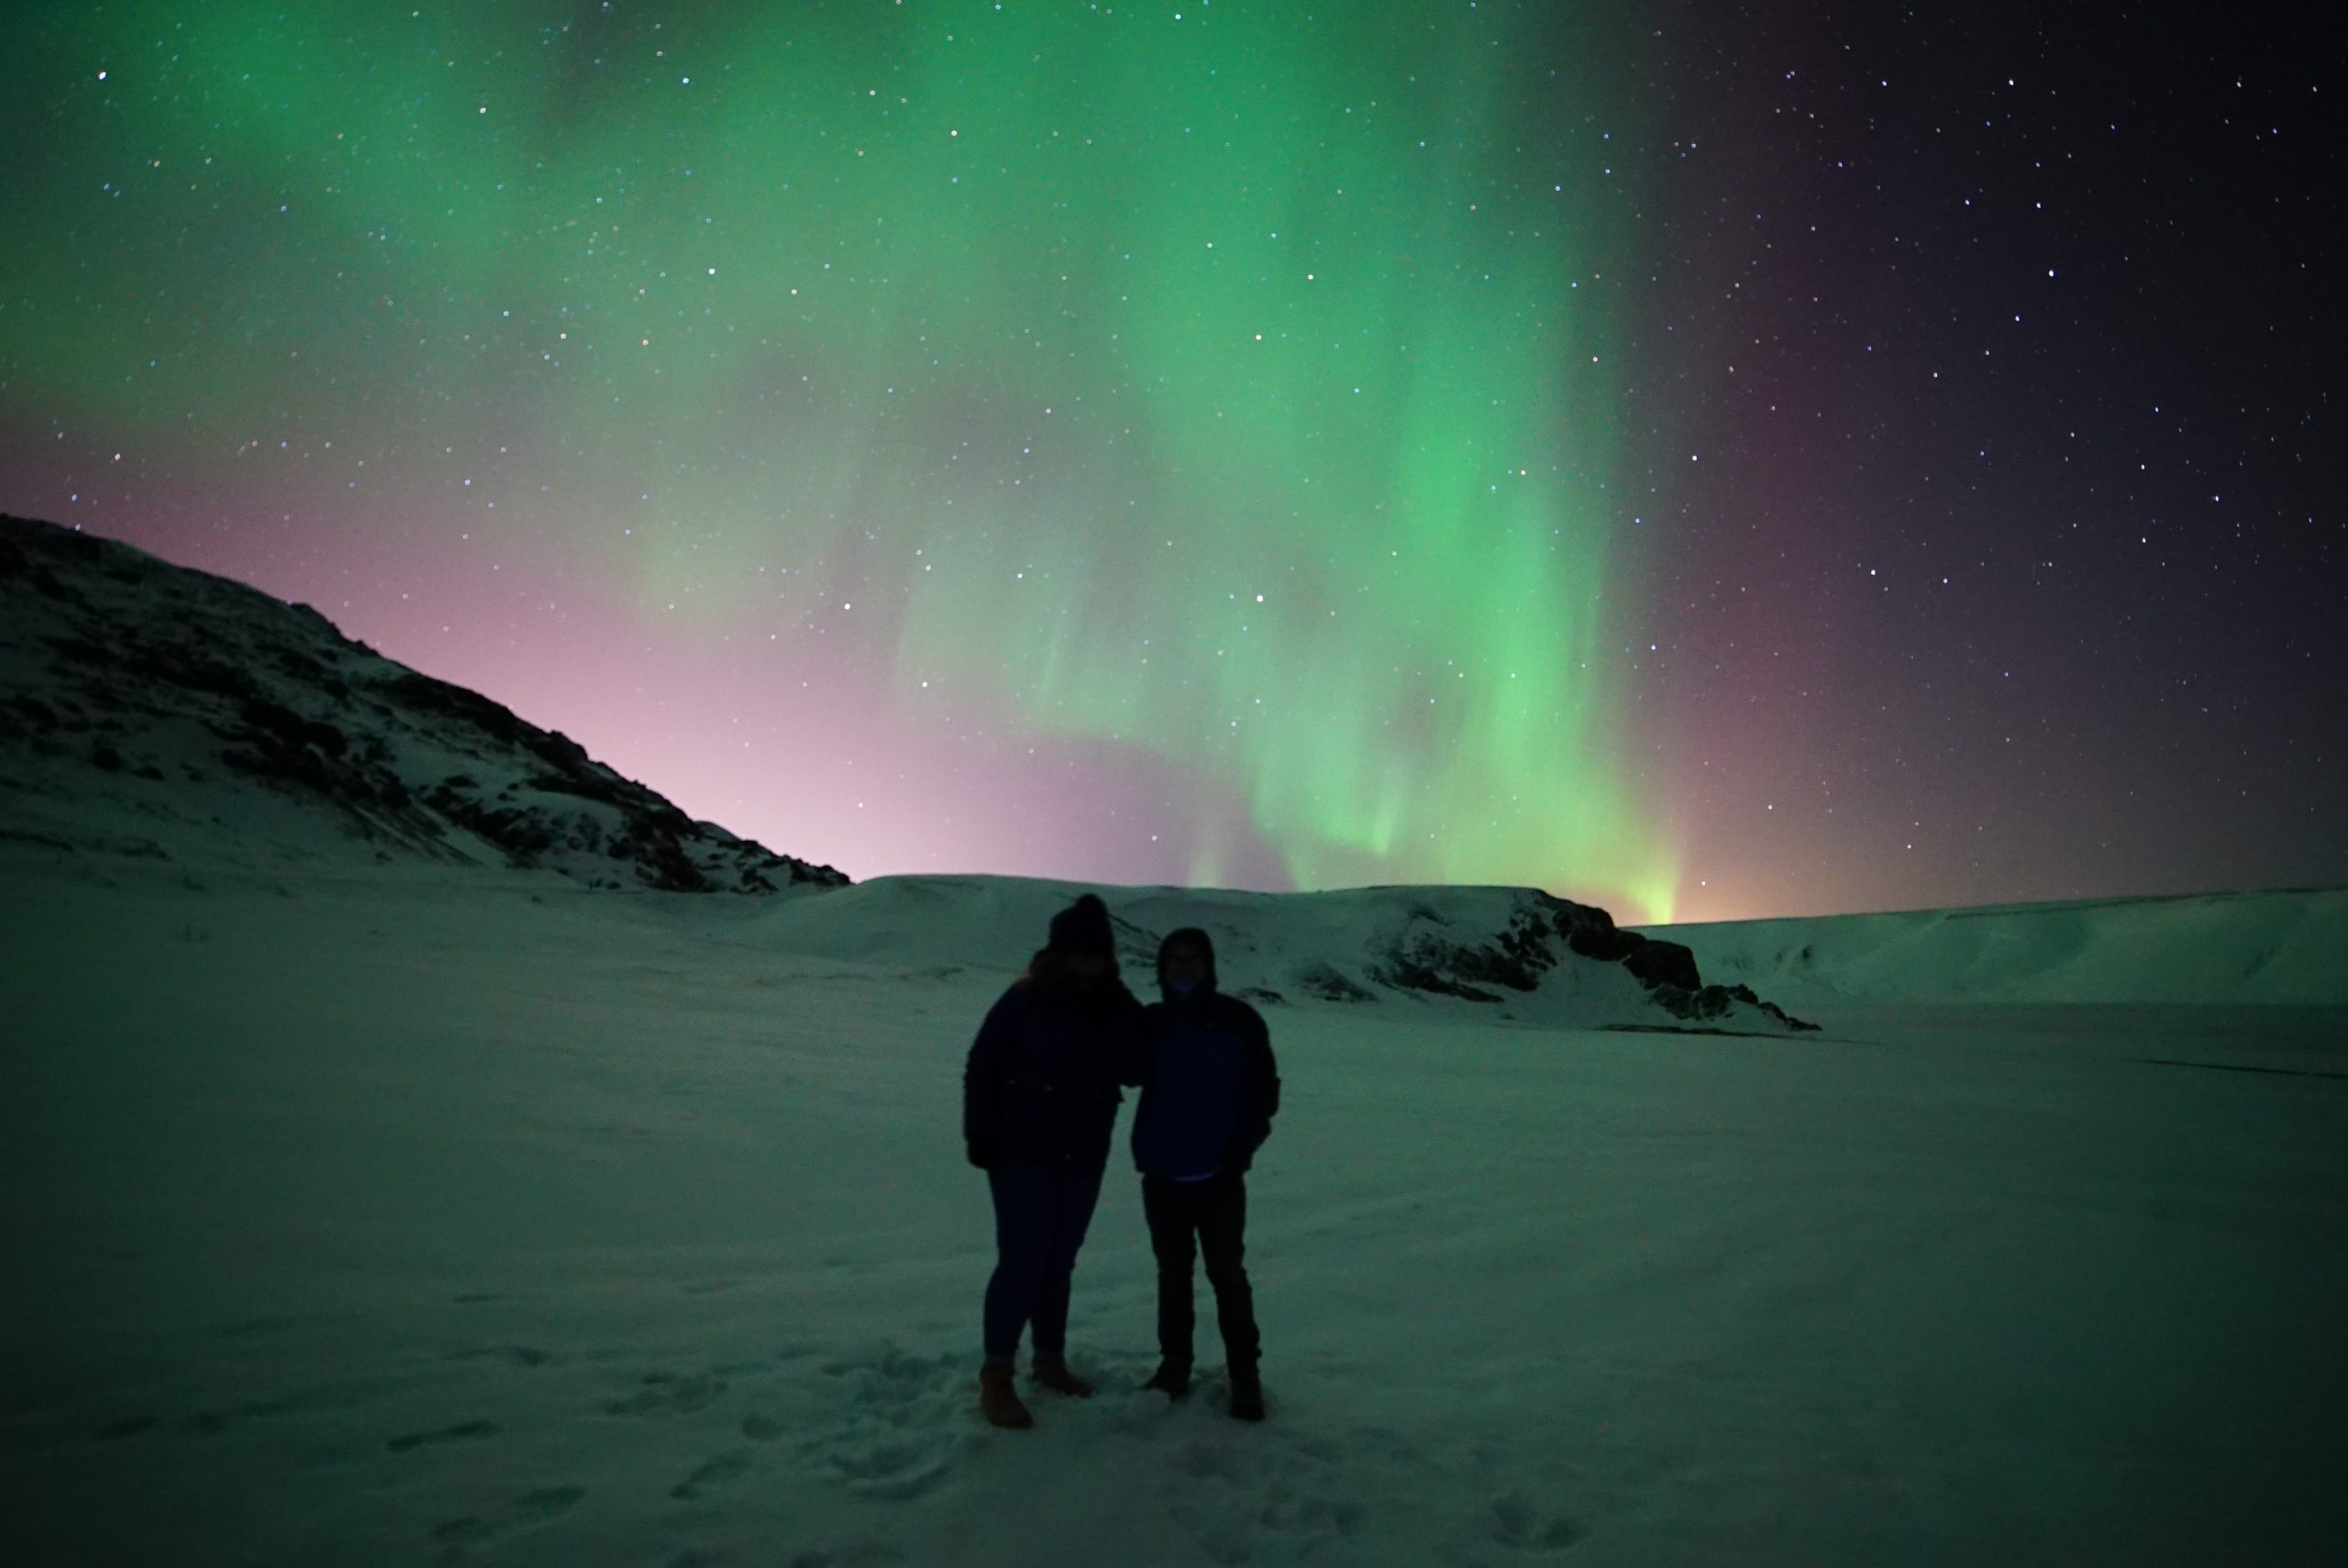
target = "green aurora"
x: 1214, y: 380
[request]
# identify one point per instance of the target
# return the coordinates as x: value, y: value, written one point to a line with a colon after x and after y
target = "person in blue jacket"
x: 1210, y: 1089
x: 1040, y: 1093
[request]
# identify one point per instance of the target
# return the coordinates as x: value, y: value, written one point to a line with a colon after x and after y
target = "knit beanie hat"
x: 1083, y: 927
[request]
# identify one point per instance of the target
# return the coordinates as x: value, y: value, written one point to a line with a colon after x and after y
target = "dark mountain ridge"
x: 152, y: 709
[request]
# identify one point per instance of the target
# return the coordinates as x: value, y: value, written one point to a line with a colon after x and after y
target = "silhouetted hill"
x: 148, y: 708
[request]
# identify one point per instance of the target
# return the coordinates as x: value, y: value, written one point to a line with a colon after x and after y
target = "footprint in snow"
x: 899, y: 1421
x: 529, y: 1508
x: 519, y: 1355
x: 1516, y: 1524
x: 1250, y: 1493
x: 723, y: 1468
x: 667, y: 1394
x: 460, y: 1432
x: 893, y: 1472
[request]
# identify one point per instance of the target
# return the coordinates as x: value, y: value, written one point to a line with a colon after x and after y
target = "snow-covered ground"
x: 425, y: 1214
x: 2211, y: 949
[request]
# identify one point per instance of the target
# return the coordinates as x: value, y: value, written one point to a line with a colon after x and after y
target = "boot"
x: 1172, y: 1379
x: 1246, y: 1394
x: 999, y: 1401
x: 1052, y: 1373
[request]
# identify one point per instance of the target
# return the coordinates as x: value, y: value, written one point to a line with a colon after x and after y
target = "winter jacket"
x: 1042, y: 1082
x: 1210, y: 1087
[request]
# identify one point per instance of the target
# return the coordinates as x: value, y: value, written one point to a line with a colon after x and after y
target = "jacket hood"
x: 1188, y: 935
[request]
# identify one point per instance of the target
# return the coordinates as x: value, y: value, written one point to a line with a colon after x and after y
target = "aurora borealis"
x: 1221, y: 443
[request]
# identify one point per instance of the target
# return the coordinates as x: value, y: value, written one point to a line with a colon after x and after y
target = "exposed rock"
x: 1658, y: 964
x: 1429, y: 956
x: 1324, y: 981
x: 188, y: 674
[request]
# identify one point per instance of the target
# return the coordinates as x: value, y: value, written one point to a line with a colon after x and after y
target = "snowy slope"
x: 147, y: 711
x: 150, y: 709
x: 427, y: 1214
x: 1513, y: 954
x: 2234, y: 950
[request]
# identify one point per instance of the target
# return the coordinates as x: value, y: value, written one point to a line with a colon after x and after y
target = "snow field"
x: 467, y: 1217
x: 2263, y: 949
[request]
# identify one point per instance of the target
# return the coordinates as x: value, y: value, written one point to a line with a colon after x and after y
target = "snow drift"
x: 2225, y: 949
x: 1513, y: 953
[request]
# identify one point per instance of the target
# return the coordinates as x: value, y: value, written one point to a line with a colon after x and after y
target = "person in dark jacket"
x: 1210, y: 1089
x: 1040, y: 1094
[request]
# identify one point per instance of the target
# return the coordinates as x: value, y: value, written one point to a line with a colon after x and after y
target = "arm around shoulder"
x: 1130, y: 1040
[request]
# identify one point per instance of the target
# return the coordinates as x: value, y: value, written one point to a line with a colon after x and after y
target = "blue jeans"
x: 1040, y: 1217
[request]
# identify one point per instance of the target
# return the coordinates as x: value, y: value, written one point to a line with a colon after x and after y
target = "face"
x: 1183, y: 964
x: 1088, y: 965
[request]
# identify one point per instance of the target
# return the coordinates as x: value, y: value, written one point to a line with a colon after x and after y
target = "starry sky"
x: 1714, y: 461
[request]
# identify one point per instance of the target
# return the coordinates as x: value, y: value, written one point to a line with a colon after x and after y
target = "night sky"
x: 1713, y: 460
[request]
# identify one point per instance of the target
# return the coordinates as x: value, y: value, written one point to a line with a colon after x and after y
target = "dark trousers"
x: 1040, y: 1217
x: 1187, y: 1218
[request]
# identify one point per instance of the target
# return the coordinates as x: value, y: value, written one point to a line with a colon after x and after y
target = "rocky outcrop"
x: 1430, y: 956
x: 129, y: 687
